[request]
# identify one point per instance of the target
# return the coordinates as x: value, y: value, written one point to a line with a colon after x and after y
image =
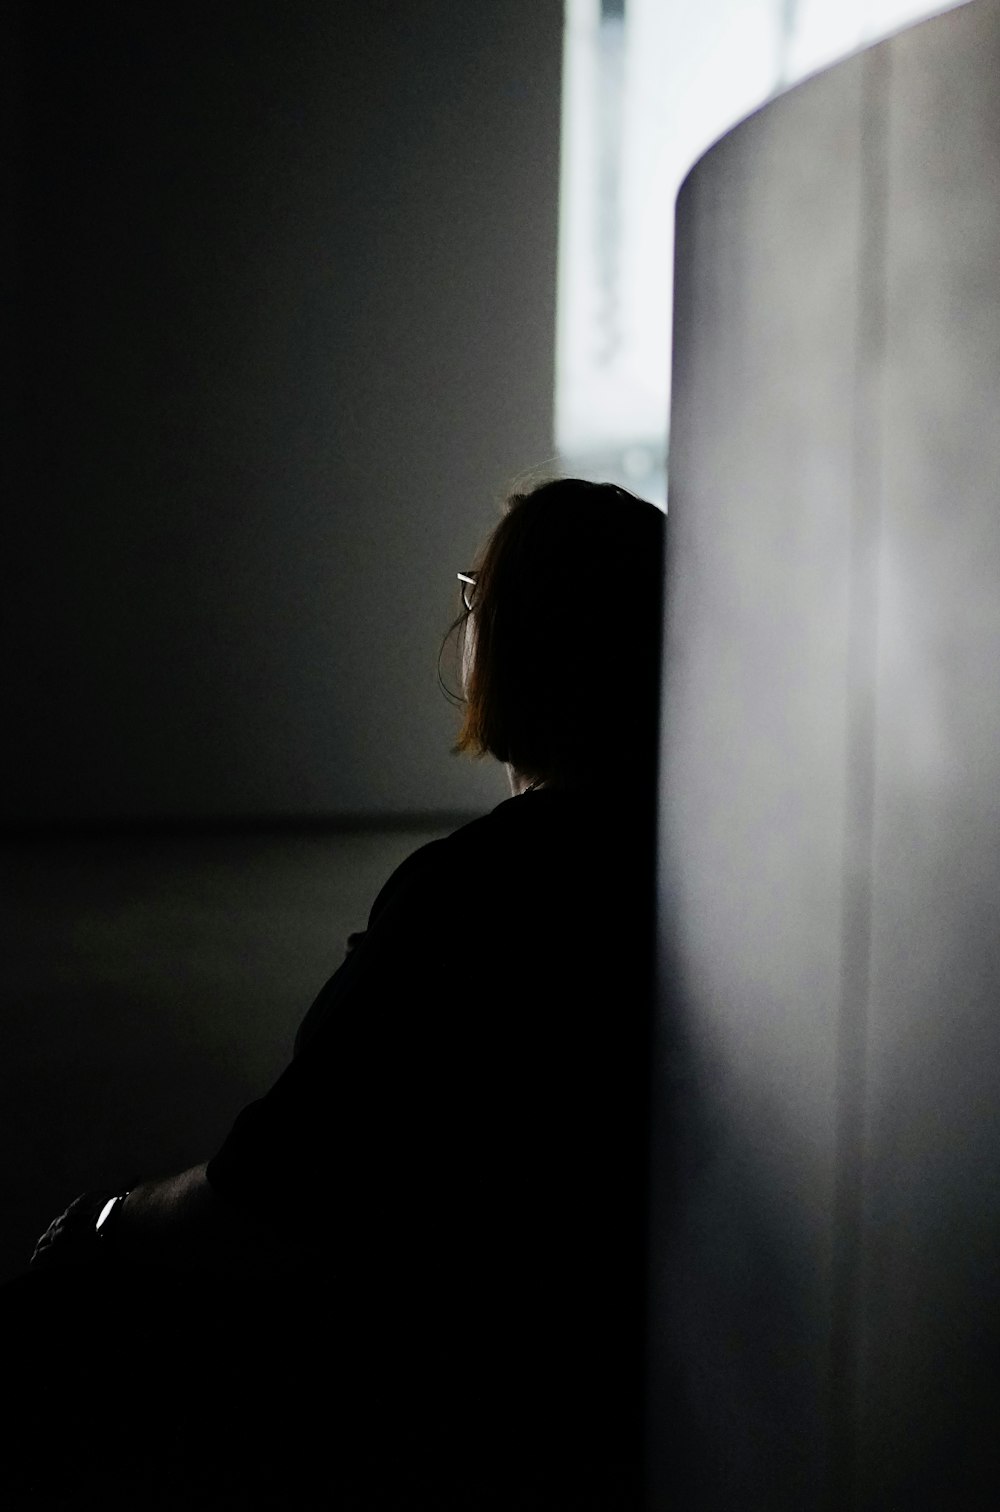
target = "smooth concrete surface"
x: 827, y: 1254
x: 151, y: 987
x: 755, y: 781
x: 930, y: 1325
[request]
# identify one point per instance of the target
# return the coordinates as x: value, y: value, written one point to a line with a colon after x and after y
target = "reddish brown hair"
x: 564, y: 650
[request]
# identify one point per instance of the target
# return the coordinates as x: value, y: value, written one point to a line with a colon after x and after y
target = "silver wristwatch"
x: 106, y: 1217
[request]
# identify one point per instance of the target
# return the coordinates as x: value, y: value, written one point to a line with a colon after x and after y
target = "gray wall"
x: 286, y: 301
x: 828, y: 1251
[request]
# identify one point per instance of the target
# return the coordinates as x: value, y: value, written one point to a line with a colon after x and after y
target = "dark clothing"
x: 460, y: 1142
x: 473, y: 1059
x: 461, y: 1134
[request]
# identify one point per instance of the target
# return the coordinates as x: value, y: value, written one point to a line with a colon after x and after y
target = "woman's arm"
x: 178, y: 1222
x: 320, y: 1144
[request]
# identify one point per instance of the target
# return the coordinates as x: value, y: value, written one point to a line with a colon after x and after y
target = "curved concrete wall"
x: 827, y: 1260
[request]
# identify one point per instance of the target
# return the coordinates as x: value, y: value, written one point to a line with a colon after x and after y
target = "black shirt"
x: 460, y: 1135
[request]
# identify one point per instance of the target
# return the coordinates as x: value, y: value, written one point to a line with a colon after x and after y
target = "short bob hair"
x: 562, y: 645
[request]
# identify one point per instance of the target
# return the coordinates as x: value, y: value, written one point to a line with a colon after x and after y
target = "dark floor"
x: 150, y: 987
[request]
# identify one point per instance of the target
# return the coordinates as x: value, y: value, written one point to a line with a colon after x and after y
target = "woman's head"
x: 562, y: 645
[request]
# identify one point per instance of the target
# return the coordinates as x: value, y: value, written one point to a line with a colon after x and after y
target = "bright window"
x: 648, y: 86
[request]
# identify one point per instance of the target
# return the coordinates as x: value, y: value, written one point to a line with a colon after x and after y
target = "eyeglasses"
x: 468, y: 581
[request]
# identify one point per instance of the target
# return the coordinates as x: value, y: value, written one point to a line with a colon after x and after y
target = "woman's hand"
x: 176, y: 1222
x: 71, y: 1239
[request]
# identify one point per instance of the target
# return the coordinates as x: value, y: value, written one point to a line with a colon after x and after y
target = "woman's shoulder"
x: 541, y: 878
x: 529, y: 851
x: 530, y: 822
x: 436, y: 863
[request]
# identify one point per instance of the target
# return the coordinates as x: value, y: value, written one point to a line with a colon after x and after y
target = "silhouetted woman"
x: 413, y: 1275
